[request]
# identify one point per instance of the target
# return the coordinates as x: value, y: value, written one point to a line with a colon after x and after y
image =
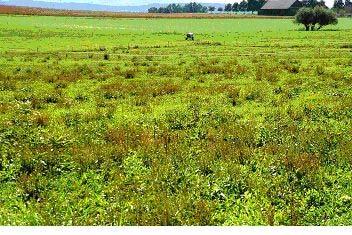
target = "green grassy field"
x: 123, y: 122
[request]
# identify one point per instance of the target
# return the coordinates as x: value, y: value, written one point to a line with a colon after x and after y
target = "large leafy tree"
x: 324, y: 17
x: 305, y: 16
x: 310, y: 17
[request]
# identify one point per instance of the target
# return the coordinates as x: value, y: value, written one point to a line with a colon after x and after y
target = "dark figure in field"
x: 190, y: 36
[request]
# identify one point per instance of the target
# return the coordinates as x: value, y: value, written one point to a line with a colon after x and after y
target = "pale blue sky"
x: 141, y: 2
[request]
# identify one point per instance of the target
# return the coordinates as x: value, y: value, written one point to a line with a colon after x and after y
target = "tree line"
x: 250, y: 5
x: 340, y: 4
x: 193, y: 7
x: 243, y: 6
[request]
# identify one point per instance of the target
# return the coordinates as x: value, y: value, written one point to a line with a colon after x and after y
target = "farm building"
x: 280, y: 7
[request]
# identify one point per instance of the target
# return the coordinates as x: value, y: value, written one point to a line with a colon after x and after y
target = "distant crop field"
x: 124, y: 122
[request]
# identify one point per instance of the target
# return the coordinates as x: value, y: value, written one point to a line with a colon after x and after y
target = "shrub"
x: 41, y: 120
x: 106, y: 56
x: 52, y: 99
x: 7, y: 85
x: 167, y: 88
x: 130, y: 73
x: 152, y: 70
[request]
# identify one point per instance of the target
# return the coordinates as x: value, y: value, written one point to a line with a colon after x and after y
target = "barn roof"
x: 278, y: 4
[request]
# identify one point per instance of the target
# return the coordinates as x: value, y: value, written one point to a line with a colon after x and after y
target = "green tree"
x: 192, y: 7
x: 324, y: 17
x: 305, y: 16
x: 252, y: 5
x: 339, y: 4
x: 255, y: 5
x: 320, y: 16
x: 312, y: 3
x: 220, y: 9
x: 174, y: 8
x: 153, y: 10
x: 243, y: 5
x: 228, y: 7
x: 261, y: 4
x: 235, y: 7
x: 322, y: 4
x: 211, y: 9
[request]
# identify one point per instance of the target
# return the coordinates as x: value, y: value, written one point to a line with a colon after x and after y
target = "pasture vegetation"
x: 123, y: 122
